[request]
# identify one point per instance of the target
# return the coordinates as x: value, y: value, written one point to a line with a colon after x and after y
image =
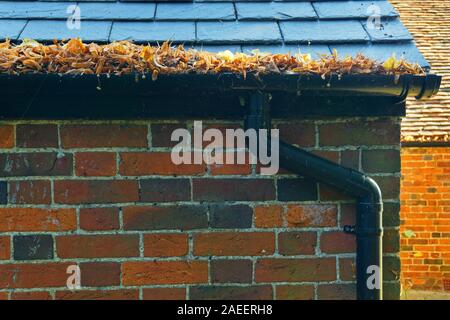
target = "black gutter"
x: 368, y: 228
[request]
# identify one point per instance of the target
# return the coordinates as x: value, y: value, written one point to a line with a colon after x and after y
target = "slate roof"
x: 274, y: 26
x: 429, y: 119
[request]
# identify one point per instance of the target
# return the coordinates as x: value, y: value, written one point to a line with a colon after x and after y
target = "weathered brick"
x: 385, y: 161
x: 103, y: 136
x: 231, y: 293
x: 294, y: 243
x: 231, y: 168
x: 100, y: 274
x: 295, y: 270
x: 302, y: 134
x: 98, y: 295
x: 35, y: 219
x: 233, y: 189
x: 328, y: 193
x: 391, y: 217
x: 95, y: 164
x: 99, y: 219
x: 230, y: 216
x: 164, y: 272
x: 97, y: 246
x: 293, y: 292
x: 320, y: 215
x: 164, y: 294
x: 234, y: 244
x: 33, y: 275
x: 3, y: 192
x: 182, y: 217
x: 37, y: 135
x: 162, y: 132
x: 4, y: 248
x: 35, y: 164
x: 30, y: 192
x: 6, y: 136
x: 336, y: 292
x: 350, y: 159
x: 4, y: 295
x: 296, y: 189
x: 231, y: 271
x: 96, y: 191
x: 347, y: 269
x: 155, y: 163
x: 165, y: 245
x: 391, y: 268
x: 391, y: 240
x: 337, y: 242
x: 389, y: 185
x: 268, y: 216
x: 363, y: 132
x: 31, y: 295
x: 165, y: 190
x: 33, y: 247
x: 391, y: 290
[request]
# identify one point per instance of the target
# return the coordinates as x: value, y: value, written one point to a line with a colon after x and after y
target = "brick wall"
x: 425, y: 216
x: 105, y: 196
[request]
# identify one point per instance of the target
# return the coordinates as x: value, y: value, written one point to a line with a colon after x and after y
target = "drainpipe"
x: 368, y: 229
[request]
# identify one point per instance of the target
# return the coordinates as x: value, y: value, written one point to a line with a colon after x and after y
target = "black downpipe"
x: 368, y: 227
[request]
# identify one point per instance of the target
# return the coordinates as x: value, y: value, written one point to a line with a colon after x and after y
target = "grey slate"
x: 275, y: 11
x: 391, y: 30
x: 32, y: 9
x: 323, y: 31
x: 11, y: 29
x: 195, y: 11
x: 46, y: 30
x: 117, y: 11
x: 224, y: 32
x: 353, y: 9
x: 153, y: 31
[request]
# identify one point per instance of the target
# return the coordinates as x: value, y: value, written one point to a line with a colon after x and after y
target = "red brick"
x: 155, y: 163
x: 337, y: 242
x: 231, y: 271
x: 165, y: 190
x: 31, y: 295
x: 37, y: 135
x: 311, y: 216
x: 6, y: 136
x: 103, y: 136
x: 96, y: 191
x: 302, y: 134
x: 30, y: 192
x: 95, y: 164
x: 182, y: 217
x: 4, y: 248
x: 291, y: 292
x: 165, y: 245
x: 350, y: 159
x: 336, y: 292
x: 233, y: 189
x: 295, y: 270
x: 231, y: 169
x: 268, y: 216
x: 161, y: 133
x: 3, y: 295
x: 164, y: 272
x: 99, y: 219
x: 295, y: 243
x: 97, y: 246
x: 390, y: 186
x: 100, y: 274
x: 328, y: 193
x: 34, y: 219
x: 98, y: 295
x: 164, y: 294
x: 234, y: 244
x: 347, y: 269
x: 35, y: 275
x: 360, y: 132
x: 35, y: 164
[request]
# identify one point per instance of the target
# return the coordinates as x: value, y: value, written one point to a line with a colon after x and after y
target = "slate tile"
x: 11, y: 28
x: 33, y: 247
x: 353, y: 9
x: 275, y: 11
x: 382, y: 51
x: 47, y: 30
x: 225, y: 32
x: 195, y: 11
x: 153, y: 31
x: 117, y: 11
x: 323, y: 31
x: 313, y: 50
x: 33, y: 9
x: 391, y: 30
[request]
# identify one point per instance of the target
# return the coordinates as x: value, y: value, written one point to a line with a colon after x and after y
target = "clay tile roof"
x: 429, y: 23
